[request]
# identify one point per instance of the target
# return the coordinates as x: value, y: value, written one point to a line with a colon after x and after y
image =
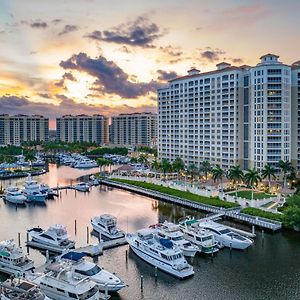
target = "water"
x: 270, y: 269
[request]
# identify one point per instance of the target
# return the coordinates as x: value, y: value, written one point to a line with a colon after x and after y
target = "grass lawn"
x: 182, y: 194
x: 248, y: 195
x: 261, y: 213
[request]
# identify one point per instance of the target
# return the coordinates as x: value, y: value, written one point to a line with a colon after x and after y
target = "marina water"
x: 270, y: 269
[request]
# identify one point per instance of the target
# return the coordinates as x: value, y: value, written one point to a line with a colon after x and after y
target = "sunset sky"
x: 90, y: 56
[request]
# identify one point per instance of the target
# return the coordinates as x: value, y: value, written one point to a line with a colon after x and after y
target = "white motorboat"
x: 13, y: 195
x: 62, y: 283
x: 55, y: 238
x: 33, y: 191
x: 82, y: 187
x: 85, y: 163
x: 104, y: 279
x: 199, y: 236
x: 20, y: 289
x: 44, y: 188
x: 161, y: 253
x: 172, y: 232
x: 13, y: 260
x: 106, y: 225
x: 225, y: 236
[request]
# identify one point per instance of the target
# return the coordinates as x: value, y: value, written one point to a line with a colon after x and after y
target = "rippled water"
x: 270, y: 269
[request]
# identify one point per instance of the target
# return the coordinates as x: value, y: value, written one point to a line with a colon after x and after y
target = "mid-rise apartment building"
x: 82, y: 128
x: 14, y: 130
x: 233, y: 115
x: 134, y: 129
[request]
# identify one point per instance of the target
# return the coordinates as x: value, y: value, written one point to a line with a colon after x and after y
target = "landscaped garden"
x: 177, y: 193
x: 248, y: 195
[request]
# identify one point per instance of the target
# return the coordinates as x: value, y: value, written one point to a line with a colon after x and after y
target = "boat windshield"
x: 177, y: 238
x: 93, y: 271
x: 225, y: 231
x: 89, y: 294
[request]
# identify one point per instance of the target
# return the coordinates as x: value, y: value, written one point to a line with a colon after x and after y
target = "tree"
x: 165, y: 166
x: 134, y: 160
x: 156, y: 165
x: 285, y: 167
x: 143, y: 159
x: 218, y: 174
x: 235, y: 174
x: 102, y: 162
x: 178, y: 165
x: 268, y: 172
x: 192, y: 170
x: 205, y: 168
x: 252, y: 178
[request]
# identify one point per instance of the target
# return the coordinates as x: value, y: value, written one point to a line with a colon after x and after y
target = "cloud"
x: 12, y: 104
x: 67, y: 29
x: 237, y: 60
x: 172, y: 51
x: 56, y: 21
x: 139, y: 33
x: 212, y: 55
x: 66, y: 76
x: 110, y: 78
x: 38, y: 24
x: 166, y: 76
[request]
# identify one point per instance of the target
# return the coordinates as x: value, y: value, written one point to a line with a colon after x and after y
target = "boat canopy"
x: 190, y: 222
x: 72, y: 255
x: 166, y: 243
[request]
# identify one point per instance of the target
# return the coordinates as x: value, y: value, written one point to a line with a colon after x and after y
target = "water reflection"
x: 268, y: 270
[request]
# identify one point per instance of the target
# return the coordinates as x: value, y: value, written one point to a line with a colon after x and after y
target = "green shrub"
x: 177, y: 193
x: 261, y: 213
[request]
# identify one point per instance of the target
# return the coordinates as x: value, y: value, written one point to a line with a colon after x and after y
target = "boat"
x: 13, y: 260
x: 20, y: 289
x: 33, y: 192
x: 199, y: 236
x: 85, y: 163
x: 60, y: 282
x: 106, y: 225
x: 44, y: 188
x: 160, y: 253
x: 13, y: 195
x: 104, y: 279
x: 55, y: 238
x: 225, y: 236
x: 82, y: 187
x: 172, y: 232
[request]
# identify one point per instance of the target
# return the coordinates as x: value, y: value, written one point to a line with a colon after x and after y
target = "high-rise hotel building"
x: 14, y: 130
x: 233, y: 115
x: 134, y: 129
x: 82, y: 128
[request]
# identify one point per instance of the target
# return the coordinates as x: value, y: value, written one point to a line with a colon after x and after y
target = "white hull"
x: 238, y: 245
x: 54, y: 295
x: 189, y: 252
x: 160, y: 264
x: 15, y: 270
x: 37, y: 198
x: 82, y: 189
x: 98, y: 229
x: 15, y: 200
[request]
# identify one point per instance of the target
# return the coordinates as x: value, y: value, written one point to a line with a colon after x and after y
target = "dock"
x: 233, y: 213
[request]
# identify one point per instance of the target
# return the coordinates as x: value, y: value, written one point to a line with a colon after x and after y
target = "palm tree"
x: 268, y: 172
x: 218, y: 174
x: 102, y: 162
x: 252, y: 178
x: 286, y: 167
x: 143, y: 159
x: 236, y: 174
x: 205, y: 168
x: 192, y: 170
x: 156, y: 166
x: 165, y: 166
x: 178, y: 165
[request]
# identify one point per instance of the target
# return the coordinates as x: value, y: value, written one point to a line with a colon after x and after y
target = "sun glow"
x: 81, y: 88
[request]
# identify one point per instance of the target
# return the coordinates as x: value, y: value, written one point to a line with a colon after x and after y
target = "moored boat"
x: 14, y: 195
x: 161, y: 253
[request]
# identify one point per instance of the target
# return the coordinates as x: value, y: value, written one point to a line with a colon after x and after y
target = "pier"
x: 232, y: 213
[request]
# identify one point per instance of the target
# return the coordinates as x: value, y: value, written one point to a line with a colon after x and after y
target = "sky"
x: 62, y: 57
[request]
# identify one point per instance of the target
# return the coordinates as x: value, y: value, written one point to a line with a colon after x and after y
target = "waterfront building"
x: 14, y: 130
x: 232, y: 115
x: 134, y: 129
x: 82, y: 128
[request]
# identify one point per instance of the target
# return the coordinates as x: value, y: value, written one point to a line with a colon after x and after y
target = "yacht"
x: 82, y: 187
x: 107, y: 225
x: 172, y: 232
x: 199, y: 236
x: 44, y: 188
x: 13, y: 195
x: 60, y: 282
x: 33, y: 192
x: 55, y: 238
x: 20, y: 289
x: 225, y: 236
x: 12, y: 259
x: 85, y: 163
x: 161, y: 253
x: 103, y: 278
